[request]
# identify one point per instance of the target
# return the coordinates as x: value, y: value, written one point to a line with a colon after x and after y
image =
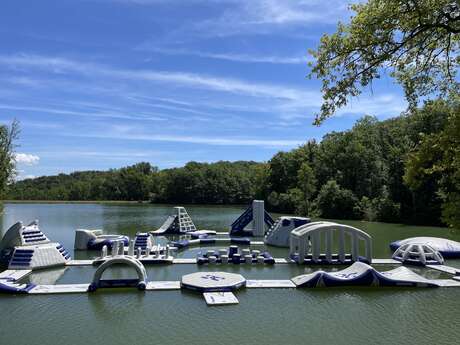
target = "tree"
x: 307, y: 186
x: 417, y: 41
x: 435, y: 164
x: 337, y: 203
x: 8, y: 136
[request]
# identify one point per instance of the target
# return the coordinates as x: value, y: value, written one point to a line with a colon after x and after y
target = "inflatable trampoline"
x: 447, y: 248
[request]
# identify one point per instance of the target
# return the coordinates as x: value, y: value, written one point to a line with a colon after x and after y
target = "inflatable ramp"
x: 279, y: 234
x: 179, y: 223
x: 256, y: 215
x: 361, y: 274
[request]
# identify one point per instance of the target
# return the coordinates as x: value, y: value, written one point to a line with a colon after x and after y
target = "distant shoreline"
x: 73, y: 202
x: 113, y: 202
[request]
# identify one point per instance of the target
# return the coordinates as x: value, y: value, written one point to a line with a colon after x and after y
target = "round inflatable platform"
x: 447, y: 248
x: 213, y: 281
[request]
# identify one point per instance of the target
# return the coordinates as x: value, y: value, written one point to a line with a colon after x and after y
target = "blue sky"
x: 100, y: 84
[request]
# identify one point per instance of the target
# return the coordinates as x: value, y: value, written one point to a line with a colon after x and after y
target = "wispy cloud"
x: 268, y: 16
x: 219, y: 141
x: 193, y: 80
x: 88, y: 113
x: 236, y: 57
x: 26, y: 158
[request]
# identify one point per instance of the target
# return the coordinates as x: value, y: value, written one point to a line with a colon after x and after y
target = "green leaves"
x: 8, y: 136
x: 416, y: 42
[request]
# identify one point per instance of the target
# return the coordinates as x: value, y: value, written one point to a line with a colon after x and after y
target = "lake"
x: 264, y: 316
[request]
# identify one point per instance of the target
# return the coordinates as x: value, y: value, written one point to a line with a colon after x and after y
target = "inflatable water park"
x: 337, y: 255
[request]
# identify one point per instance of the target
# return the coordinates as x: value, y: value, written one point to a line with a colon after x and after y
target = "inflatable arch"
x: 140, y: 282
x: 313, y: 242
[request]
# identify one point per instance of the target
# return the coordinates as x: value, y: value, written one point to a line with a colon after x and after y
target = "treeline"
x: 405, y: 169
x: 216, y: 183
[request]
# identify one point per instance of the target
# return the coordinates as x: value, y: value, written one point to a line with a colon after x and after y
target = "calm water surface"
x: 266, y: 316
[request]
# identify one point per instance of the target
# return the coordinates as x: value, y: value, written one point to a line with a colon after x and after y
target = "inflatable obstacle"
x: 235, y: 256
x: 361, y: 274
x: 143, y: 241
x: 279, y: 234
x: 182, y: 244
x: 255, y: 215
x: 202, y: 233
x: 95, y: 239
x: 140, y: 282
x: 329, y: 243
x: 27, y: 248
x: 447, y: 248
x: 418, y: 254
x: 178, y: 223
x: 148, y: 255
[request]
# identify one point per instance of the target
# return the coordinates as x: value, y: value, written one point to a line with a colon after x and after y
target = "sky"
x: 100, y: 84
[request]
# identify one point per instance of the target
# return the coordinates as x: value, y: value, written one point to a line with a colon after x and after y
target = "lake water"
x: 265, y: 316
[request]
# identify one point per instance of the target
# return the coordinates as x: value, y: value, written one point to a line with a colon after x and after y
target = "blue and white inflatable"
x: 95, y: 239
x: 447, y: 248
x: 361, y: 274
x: 11, y: 287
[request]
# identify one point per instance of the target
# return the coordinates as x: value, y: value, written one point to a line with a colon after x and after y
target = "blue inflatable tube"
x: 98, y: 243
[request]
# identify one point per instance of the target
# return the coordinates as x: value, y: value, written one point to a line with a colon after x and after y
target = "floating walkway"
x: 271, y: 284
x: 220, y: 298
x: 218, y: 288
x: 193, y: 261
x: 14, y: 275
x: 445, y: 269
x: 59, y: 289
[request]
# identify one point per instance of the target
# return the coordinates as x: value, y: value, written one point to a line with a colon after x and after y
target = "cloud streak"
x: 26, y: 158
x: 216, y: 141
x: 235, y: 57
x: 182, y: 79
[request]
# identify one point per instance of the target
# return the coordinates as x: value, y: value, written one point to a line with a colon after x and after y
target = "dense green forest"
x: 388, y: 170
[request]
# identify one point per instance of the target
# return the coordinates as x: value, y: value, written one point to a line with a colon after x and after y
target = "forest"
x: 404, y: 169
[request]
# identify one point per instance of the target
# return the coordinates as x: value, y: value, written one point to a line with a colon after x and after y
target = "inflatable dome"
x: 447, y: 248
x: 418, y: 254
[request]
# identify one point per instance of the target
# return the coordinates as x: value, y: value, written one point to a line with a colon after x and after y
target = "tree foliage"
x: 335, y: 202
x: 8, y: 136
x: 435, y: 165
x: 416, y: 41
